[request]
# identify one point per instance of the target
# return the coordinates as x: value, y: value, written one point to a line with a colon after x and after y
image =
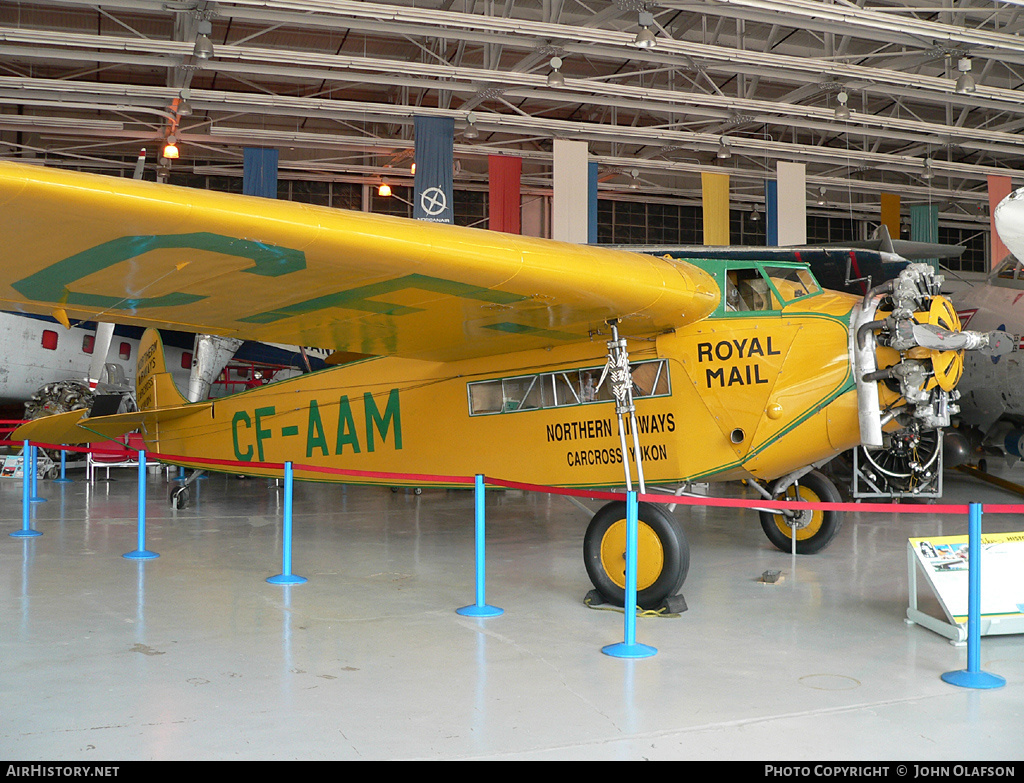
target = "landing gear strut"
x: 814, y: 529
x: 181, y: 495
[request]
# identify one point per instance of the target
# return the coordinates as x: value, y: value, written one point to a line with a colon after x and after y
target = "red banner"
x: 504, y: 173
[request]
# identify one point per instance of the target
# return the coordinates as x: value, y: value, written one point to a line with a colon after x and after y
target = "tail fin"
x: 154, y: 386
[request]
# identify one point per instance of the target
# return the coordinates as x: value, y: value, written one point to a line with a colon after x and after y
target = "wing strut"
x: 617, y: 370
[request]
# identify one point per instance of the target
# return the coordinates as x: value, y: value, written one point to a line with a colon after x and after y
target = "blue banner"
x: 771, y: 211
x: 432, y: 195
x: 592, y: 174
x: 259, y: 172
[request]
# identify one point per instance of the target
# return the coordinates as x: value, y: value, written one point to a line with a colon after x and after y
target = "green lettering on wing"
x: 362, y: 298
x: 53, y: 284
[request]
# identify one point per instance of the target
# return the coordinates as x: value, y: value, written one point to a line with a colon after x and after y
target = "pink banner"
x: 999, y: 187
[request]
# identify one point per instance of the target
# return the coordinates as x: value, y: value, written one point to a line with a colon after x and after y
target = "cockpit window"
x: 754, y: 290
x: 1010, y: 269
x: 1009, y: 274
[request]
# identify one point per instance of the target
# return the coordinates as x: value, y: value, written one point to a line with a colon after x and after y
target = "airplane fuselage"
x: 733, y: 396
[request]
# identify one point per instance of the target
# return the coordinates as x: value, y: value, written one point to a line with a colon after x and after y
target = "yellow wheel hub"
x: 650, y: 556
x: 807, y: 522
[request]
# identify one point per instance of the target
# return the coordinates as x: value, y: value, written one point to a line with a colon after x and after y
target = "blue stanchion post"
x: 480, y: 608
x: 141, y: 553
x: 63, y: 468
x: 35, y: 476
x: 972, y: 676
x: 286, y: 577
x: 26, y: 499
x: 629, y: 647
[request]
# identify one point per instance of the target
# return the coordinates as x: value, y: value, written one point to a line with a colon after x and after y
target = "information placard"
x: 11, y: 467
x: 944, y: 562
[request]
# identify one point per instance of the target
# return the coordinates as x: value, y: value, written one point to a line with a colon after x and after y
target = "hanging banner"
x: 569, y: 209
x: 792, y: 194
x: 771, y: 212
x: 592, y: 174
x: 504, y: 173
x: 432, y: 193
x: 924, y: 227
x: 999, y: 187
x: 259, y: 172
x: 715, y: 200
x: 890, y: 214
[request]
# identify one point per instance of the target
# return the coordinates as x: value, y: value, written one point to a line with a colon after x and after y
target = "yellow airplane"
x: 466, y: 351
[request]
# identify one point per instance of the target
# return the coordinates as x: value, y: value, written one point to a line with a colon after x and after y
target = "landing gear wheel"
x: 180, y: 497
x: 663, y: 554
x: 815, y: 529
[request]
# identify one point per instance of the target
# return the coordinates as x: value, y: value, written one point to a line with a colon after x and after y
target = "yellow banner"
x: 891, y: 214
x: 715, y: 189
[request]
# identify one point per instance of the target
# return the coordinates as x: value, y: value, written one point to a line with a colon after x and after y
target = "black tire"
x: 815, y: 529
x: 663, y: 554
x: 180, y: 497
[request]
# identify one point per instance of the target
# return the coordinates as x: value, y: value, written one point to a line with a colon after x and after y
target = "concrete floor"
x: 195, y: 656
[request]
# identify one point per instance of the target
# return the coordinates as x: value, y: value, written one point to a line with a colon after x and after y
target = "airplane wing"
x: 105, y: 248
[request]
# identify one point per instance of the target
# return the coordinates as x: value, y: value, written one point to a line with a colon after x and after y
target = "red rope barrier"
x: 684, y: 500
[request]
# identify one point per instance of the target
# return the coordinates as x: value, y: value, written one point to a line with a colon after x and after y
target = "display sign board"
x: 944, y: 562
x: 11, y: 467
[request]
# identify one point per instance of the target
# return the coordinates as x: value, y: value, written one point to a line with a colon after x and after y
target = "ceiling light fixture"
x: 471, y: 132
x: 171, y: 148
x: 724, y: 151
x: 645, y: 38
x: 204, y: 47
x: 822, y: 201
x: 965, y: 83
x: 755, y: 216
x: 184, y: 108
x: 555, y: 78
x: 384, y: 189
x: 842, y: 112
x: 928, y: 172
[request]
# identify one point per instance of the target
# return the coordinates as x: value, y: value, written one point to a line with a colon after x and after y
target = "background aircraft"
x: 492, y: 353
x: 49, y: 367
x: 992, y: 414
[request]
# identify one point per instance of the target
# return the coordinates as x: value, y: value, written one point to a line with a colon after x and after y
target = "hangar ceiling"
x: 335, y: 84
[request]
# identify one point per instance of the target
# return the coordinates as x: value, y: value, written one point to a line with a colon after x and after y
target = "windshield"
x: 792, y: 283
x: 747, y: 290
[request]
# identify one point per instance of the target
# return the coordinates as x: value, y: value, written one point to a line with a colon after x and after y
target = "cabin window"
x: 88, y: 343
x: 562, y: 388
x: 125, y: 351
x: 50, y: 338
x: 747, y: 291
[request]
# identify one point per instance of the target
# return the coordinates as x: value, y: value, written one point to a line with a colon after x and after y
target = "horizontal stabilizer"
x: 58, y: 428
x: 75, y: 427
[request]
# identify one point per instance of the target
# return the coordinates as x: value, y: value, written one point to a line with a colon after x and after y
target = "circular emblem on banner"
x: 433, y: 201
